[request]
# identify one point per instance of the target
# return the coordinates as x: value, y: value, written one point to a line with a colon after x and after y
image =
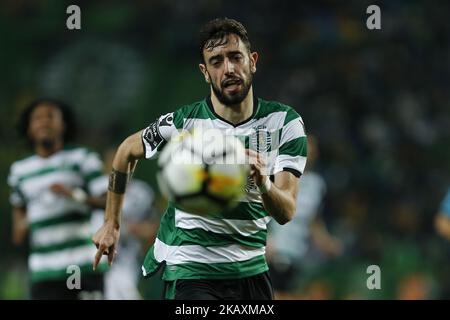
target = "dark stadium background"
x: 379, y: 102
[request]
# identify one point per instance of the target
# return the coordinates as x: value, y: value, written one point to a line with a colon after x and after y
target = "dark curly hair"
x: 214, y: 33
x: 67, y: 116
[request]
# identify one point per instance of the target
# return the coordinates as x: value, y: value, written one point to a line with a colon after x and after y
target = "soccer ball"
x: 203, y: 172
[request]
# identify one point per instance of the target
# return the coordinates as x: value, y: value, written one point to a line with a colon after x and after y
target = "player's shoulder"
x: 76, y: 153
x: 195, y: 109
x: 274, y: 105
x: 267, y: 107
x: 22, y: 164
x: 73, y: 147
x: 71, y: 151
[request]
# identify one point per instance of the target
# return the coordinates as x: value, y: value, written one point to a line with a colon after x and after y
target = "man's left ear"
x: 253, y: 60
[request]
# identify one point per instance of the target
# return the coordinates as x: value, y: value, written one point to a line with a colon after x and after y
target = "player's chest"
x: 262, y: 135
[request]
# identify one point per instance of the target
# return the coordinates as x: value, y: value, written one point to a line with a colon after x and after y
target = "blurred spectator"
x: 288, y: 244
x: 442, y: 221
x: 52, y: 201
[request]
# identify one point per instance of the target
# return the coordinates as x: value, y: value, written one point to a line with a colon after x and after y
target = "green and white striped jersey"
x: 60, y: 230
x: 232, y: 244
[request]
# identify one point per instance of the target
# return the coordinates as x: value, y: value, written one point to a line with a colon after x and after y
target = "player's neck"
x: 45, y: 150
x: 234, y: 113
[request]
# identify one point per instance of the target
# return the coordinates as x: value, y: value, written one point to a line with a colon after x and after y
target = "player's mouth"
x: 231, y: 85
x: 43, y: 132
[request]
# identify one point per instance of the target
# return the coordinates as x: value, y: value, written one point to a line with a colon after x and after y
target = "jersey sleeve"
x: 159, y: 132
x: 16, y: 198
x: 293, y: 145
x: 445, y: 205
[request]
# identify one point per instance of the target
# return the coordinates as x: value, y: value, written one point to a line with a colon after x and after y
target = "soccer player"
x: 221, y: 257
x: 51, y: 202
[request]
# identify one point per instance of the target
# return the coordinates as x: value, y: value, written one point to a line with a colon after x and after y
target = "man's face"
x: 229, y: 69
x: 46, y: 124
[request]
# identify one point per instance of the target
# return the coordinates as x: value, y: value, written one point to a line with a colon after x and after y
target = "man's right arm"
x: 143, y: 144
x: 125, y: 160
x: 124, y: 163
x: 19, y: 225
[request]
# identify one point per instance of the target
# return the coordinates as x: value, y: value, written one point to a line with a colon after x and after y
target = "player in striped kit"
x: 51, y: 202
x: 221, y: 257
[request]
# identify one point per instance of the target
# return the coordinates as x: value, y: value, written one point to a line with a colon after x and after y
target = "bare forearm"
x: 20, y: 226
x: 124, y: 164
x: 114, y: 204
x: 279, y: 204
x: 280, y: 197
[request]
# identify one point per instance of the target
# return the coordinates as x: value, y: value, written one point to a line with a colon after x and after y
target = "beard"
x: 233, y: 99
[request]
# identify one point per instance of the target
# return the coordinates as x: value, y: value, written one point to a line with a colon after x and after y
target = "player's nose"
x: 229, y: 67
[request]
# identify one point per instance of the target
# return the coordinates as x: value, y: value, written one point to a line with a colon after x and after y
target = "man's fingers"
x: 256, y: 158
x: 111, y: 254
x: 252, y: 156
x: 250, y: 151
x: 98, y: 256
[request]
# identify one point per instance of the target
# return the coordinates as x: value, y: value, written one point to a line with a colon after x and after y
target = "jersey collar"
x: 255, y: 109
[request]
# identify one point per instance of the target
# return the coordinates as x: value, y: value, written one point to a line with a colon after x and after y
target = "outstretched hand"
x: 106, y: 240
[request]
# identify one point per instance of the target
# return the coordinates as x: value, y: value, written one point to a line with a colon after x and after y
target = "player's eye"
x: 237, y: 57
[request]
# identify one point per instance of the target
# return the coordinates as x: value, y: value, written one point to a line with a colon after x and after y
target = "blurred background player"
x: 442, y: 226
x: 442, y: 220
x: 138, y: 231
x: 51, y: 202
x: 288, y: 245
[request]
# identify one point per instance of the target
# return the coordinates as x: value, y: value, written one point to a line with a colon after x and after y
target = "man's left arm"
x: 279, y: 197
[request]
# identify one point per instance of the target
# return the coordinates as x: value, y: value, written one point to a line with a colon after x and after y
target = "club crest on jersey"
x: 261, y: 139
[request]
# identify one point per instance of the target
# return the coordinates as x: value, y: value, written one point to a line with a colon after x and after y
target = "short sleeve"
x: 158, y: 133
x: 16, y: 198
x: 292, y: 150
